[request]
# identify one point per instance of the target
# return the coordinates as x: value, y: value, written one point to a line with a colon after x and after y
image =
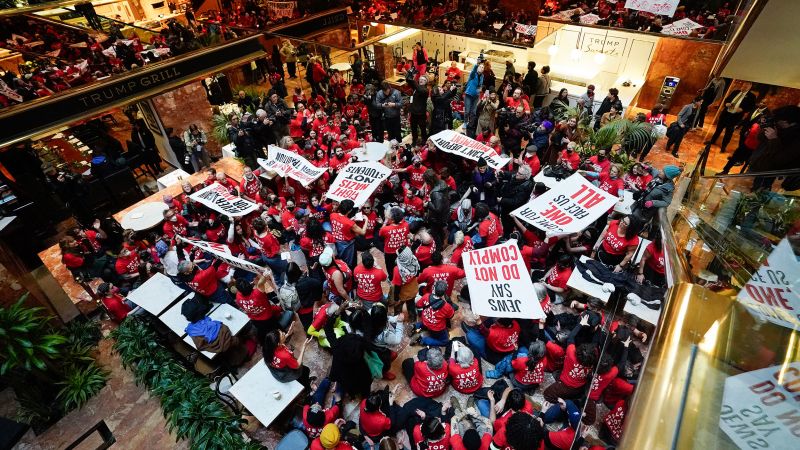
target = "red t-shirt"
x: 562, y: 439
x: 503, y: 339
x: 179, y: 227
x: 656, y: 259
x: 467, y: 246
x: 574, y: 159
x: 574, y: 374
x: 434, y: 319
x: 283, y: 358
x: 339, y: 265
x: 601, y: 381
x: 612, y: 186
x: 525, y: 376
x: 447, y: 272
x: 73, y: 261
x: 555, y: 356
x: 394, y: 236
x: 330, y: 416
x: 558, y: 277
x: 425, y: 252
x: 427, y: 382
x: 342, y: 227
x: 466, y: 380
x: 616, y: 245
x: 457, y: 443
x: 600, y: 166
x: 116, y: 307
x: 490, y: 230
x: 533, y: 162
x: 374, y: 423
x: 127, y: 266
x: 441, y: 444
x: 368, y: 283
x: 257, y: 305
x: 615, y: 419
x: 343, y: 445
x: 269, y: 245
x: 415, y: 176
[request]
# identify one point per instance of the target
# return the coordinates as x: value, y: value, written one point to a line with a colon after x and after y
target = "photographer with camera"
x: 195, y: 140
x: 442, y: 115
x: 487, y: 112
x: 240, y: 134
x: 418, y: 106
x: 279, y: 114
x: 389, y: 100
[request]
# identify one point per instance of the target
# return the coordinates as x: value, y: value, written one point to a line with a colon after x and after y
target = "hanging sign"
x: 290, y: 164
x: 459, y: 144
x: 357, y: 182
x: 218, y: 198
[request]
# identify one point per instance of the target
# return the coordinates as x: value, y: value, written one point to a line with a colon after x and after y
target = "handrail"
x: 124, y: 24
x: 676, y: 261
x: 767, y: 173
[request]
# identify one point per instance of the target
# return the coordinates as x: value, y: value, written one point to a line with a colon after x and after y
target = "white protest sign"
x: 522, y: 28
x: 372, y: 151
x: 572, y: 205
x: 658, y: 7
x: 499, y: 283
x: 219, y: 199
x: 223, y: 252
x: 772, y: 291
x: 458, y: 144
x: 681, y: 27
x: 357, y: 181
x: 292, y: 165
x: 760, y: 408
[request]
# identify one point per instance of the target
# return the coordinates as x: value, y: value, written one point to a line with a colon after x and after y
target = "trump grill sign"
x: 572, y: 205
x: 499, y: 283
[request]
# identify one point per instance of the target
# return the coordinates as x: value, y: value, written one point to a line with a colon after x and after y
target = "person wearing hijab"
x: 404, y: 282
x: 462, y: 219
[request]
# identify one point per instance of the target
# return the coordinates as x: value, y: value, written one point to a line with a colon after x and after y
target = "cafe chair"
x: 294, y: 440
x: 221, y: 385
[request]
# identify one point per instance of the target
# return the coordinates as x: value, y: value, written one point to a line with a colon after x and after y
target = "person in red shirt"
x: 369, y: 279
x: 270, y: 249
x: 569, y: 158
x: 600, y: 162
x: 425, y: 250
x: 748, y: 143
x: 617, y: 243
x: 415, y: 172
x: 118, y: 307
x: 394, y: 233
x: 315, y: 416
x: 530, y: 158
x: 564, y: 409
x: 374, y: 419
x: 652, y: 266
x: 463, y: 244
x: 175, y: 223
x: 465, y: 369
x: 344, y: 230
x: 367, y: 220
x: 453, y: 73
x: 523, y: 431
x: 331, y: 437
x: 413, y: 203
x: 256, y: 300
x: 440, y: 271
x: 338, y: 275
x: 127, y: 264
x: 250, y: 184
x: 427, y: 378
x: 606, y: 372
x: 529, y: 369
x: 432, y: 434
x: 516, y: 100
x: 502, y: 338
x: 578, y: 364
x: 609, y: 181
x: 556, y: 278
x: 281, y: 360
x: 435, y: 312
x: 489, y: 227
x: 637, y: 178
x: 77, y: 259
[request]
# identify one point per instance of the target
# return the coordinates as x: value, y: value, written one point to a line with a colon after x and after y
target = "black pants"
x: 391, y: 262
x: 741, y: 155
x: 727, y: 122
x: 408, y: 369
x: 646, y: 151
x: 701, y: 113
x: 291, y: 67
x: 376, y: 127
x: 675, y: 140
x: 418, y: 128
x: 392, y: 126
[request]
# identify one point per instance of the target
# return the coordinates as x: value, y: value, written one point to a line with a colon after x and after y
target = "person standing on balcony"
x: 420, y: 60
x: 290, y: 55
x: 737, y: 105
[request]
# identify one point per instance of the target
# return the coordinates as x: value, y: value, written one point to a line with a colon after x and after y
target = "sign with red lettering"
x: 290, y: 164
x: 658, y: 7
x: 570, y: 206
x: 459, y: 144
x: 223, y: 252
x: 357, y: 181
x: 683, y: 27
x: 760, y: 409
x: 771, y: 293
x: 499, y: 284
x: 219, y: 199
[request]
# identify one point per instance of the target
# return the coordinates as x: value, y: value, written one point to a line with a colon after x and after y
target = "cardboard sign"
x: 772, y: 292
x: 223, y: 252
x: 219, y: 199
x: 290, y: 164
x: 357, y: 181
x: 459, y: 144
x: 760, y: 408
x: 682, y: 27
x: 659, y: 7
x: 572, y: 205
x: 499, y: 284
x: 521, y: 28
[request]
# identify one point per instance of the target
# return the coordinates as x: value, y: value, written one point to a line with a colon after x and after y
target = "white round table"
x: 341, y: 67
x: 144, y: 216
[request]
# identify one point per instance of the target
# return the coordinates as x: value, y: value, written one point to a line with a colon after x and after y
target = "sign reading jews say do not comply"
x: 760, y: 409
x: 357, y: 181
x: 218, y: 198
x: 499, y: 283
x: 572, y: 205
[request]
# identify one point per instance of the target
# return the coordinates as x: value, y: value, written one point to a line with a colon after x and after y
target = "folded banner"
x: 759, y: 408
x: 358, y: 181
x: 659, y: 7
x: 772, y: 291
x: 521, y: 28
x: 572, y: 205
x: 290, y: 164
x: 223, y: 252
x: 499, y: 284
x: 219, y: 199
x: 459, y: 144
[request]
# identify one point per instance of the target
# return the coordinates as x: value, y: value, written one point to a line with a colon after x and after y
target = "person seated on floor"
x: 435, y: 312
x: 331, y: 437
x: 204, y: 282
x: 209, y: 335
x: 258, y: 301
x: 315, y: 416
x: 492, y: 339
x: 118, y: 307
x: 375, y: 415
x: 465, y: 369
x: 564, y: 409
x: 428, y: 377
x: 281, y: 360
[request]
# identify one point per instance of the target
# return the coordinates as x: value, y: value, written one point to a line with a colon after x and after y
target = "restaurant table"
x: 173, y: 317
x: 237, y: 321
x: 577, y: 282
x: 144, y: 216
x: 256, y: 391
x: 643, y: 312
x: 209, y: 355
x: 341, y: 67
x: 171, y: 178
x: 156, y: 294
x: 623, y: 206
x: 550, y: 182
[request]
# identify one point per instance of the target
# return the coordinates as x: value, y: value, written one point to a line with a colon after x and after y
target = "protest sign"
x: 290, y: 164
x: 223, y: 252
x: 683, y: 27
x: 371, y: 151
x: 357, y: 181
x: 459, y: 144
x: 219, y: 199
x: 499, y: 283
x: 771, y: 292
x: 658, y: 7
x: 522, y: 28
x: 760, y: 408
x: 572, y: 205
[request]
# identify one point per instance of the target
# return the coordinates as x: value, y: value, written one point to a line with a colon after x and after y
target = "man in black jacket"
x: 514, y: 192
x: 437, y: 211
x: 531, y: 79
x: 418, y: 108
x: 737, y: 104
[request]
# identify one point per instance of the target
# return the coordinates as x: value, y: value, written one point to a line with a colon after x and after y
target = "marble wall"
x: 184, y: 106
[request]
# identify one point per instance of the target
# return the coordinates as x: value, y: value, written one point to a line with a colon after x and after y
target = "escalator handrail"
x: 676, y: 262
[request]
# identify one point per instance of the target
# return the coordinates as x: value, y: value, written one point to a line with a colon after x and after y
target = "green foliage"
x: 81, y: 384
x: 190, y: 407
x: 27, y: 341
x: 220, y: 130
x: 622, y: 134
x: 83, y: 333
